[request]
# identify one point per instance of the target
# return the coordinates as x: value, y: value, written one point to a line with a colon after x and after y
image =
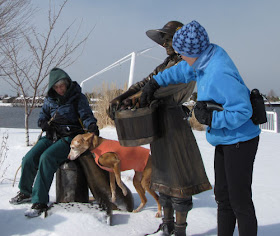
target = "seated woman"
x: 62, y: 116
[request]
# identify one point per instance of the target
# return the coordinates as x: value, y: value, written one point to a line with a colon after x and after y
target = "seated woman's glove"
x: 93, y: 128
x: 202, y: 114
x: 44, y: 125
x: 148, y: 91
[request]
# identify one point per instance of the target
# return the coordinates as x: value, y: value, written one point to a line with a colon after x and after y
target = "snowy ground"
x: 201, y: 220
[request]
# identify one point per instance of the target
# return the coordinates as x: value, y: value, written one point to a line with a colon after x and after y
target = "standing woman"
x: 64, y: 111
x: 231, y: 131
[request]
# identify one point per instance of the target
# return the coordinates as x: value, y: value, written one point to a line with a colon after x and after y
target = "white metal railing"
x: 128, y: 57
x: 272, y: 123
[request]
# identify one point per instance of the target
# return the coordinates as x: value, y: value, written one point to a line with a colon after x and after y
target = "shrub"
x: 3, y: 155
x: 101, y: 104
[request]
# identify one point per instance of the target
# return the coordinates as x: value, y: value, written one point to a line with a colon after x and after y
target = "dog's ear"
x: 95, y: 141
x: 88, y: 136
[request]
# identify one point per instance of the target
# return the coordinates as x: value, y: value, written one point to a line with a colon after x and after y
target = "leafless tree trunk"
x: 31, y: 59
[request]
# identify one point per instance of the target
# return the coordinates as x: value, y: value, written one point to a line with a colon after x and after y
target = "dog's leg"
x: 113, y: 185
x: 146, y: 182
x: 117, y: 172
x: 140, y: 190
x: 110, y: 160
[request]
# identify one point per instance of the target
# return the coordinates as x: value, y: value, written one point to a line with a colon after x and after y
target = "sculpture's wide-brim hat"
x: 157, y: 34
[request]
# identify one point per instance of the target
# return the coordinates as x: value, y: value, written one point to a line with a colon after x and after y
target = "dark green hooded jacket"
x: 66, y: 109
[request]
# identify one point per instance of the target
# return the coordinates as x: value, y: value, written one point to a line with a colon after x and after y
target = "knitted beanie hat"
x: 191, y: 40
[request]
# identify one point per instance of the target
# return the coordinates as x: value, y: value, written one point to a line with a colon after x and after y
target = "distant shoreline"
x: 4, y: 104
x: 16, y: 104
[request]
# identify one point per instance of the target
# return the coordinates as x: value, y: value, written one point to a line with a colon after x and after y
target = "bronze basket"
x: 137, y: 127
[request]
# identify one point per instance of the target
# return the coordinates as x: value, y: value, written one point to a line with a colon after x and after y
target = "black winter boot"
x: 20, y: 198
x: 36, y: 210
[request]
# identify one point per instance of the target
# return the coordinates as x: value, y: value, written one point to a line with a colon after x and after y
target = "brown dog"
x: 114, y: 162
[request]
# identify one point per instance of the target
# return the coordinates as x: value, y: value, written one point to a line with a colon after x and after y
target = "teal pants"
x: 41, y: 162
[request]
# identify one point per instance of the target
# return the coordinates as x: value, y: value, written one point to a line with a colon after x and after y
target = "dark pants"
x: 233, y: 193
x: 42, y: 161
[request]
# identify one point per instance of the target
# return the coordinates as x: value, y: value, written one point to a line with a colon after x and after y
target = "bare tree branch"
x: 30, y: 59
x: 13, y: 17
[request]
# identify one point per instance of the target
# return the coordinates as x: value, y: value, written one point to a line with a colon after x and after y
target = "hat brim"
x: 156, y: 36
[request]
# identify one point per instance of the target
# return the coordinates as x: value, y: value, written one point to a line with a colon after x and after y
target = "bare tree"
x: 32, y: 58
x: 271, y: 93
x: 272, y: 96
x: 14, y: 16
x: 3, y: 156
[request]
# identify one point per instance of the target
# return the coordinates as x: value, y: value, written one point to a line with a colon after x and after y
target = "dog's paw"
x: 158, y: 215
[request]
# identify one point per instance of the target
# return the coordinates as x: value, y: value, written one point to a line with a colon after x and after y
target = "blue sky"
x: 248, y: 30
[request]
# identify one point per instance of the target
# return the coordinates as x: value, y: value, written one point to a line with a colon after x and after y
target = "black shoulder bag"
x: 259, y: 113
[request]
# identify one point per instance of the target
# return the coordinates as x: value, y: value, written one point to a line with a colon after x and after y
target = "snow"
x: 5, y: 104
x: 201, y: 219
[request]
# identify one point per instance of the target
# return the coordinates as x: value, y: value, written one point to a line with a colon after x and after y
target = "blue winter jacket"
x: 218, y: 80
x: 66, y: 109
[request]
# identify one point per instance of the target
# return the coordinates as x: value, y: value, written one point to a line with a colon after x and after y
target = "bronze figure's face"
x: 167, y: 44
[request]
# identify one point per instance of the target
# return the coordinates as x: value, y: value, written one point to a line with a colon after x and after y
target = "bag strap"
x: 75, y: 103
